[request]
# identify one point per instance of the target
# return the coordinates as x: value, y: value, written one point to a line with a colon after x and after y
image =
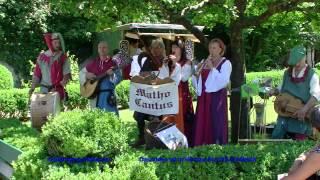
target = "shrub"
x: 74, y: 67
x: 275, y: 75
x: 85, y: 133
x: 6, y: 79
x: 65, y: 172
x: 13, y: 103
x: 75, y: 99
x: 31, y: 163
x: 127, y: 166
x: 271, y: 158
x: 122, y: 92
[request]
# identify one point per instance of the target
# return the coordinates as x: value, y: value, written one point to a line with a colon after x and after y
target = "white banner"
x: 154, y: 99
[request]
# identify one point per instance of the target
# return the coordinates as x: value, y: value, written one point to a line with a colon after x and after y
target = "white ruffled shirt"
x: 163, y: 71
x: 314, y: 82
x: 216, y: 80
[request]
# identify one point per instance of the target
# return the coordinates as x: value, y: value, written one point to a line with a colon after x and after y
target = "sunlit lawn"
x: 127, y: 115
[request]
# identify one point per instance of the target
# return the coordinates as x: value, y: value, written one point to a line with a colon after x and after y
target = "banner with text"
x: 154, y: 99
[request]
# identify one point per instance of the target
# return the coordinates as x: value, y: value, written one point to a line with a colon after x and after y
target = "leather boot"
x: 139, y: 142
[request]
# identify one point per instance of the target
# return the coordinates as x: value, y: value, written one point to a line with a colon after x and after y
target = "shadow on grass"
x: 18, y: 134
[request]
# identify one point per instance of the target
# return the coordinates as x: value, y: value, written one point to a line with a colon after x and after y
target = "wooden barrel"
x: 41, y: 106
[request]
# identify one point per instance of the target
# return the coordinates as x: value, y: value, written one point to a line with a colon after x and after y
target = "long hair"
x: 180, y: 44
x: 183, y: 58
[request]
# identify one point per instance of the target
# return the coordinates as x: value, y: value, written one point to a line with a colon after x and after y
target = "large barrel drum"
x: 43, y: 105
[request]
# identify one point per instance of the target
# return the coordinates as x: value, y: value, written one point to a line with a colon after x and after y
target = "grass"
x: 126, y: 115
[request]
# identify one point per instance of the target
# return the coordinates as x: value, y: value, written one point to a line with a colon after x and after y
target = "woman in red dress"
x: 210, y: 81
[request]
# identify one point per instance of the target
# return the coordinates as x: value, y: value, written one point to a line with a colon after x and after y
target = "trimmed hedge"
x: 275, y: 75
x: 13, y: 102
x: 75, y: 99
x: 122, y: 92
x: 85, y: 133
x: 6, y: 79
x: 128, y: 166
x: 271, y: 159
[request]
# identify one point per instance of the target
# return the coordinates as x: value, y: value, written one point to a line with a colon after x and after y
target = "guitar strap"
x: 97, y: 90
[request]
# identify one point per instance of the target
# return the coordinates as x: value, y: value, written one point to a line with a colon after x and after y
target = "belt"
x: 106, y: 90
x: 48, y: 87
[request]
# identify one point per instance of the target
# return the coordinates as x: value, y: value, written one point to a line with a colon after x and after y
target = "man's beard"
x: 55, y: 49
x: 103, y: 54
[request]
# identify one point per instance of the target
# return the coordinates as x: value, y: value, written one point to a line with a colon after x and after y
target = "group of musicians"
x: 208, y: 124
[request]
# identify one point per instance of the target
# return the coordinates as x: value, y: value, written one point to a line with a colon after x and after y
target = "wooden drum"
x: 43, y: 105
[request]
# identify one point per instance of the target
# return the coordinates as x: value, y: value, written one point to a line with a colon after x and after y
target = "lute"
x: 88, y: 89
x: 286, y: 105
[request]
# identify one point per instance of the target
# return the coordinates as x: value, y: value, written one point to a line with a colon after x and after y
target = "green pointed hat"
x: 296, y: 55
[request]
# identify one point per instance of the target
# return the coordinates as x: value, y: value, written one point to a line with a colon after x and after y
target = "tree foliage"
x: 109, y: 13
x: 21, y: 24
x: 267, y: 46
x: 261, y: 31
x: 268, y: 34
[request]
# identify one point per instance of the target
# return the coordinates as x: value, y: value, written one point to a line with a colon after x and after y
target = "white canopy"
x: 166, y: 31
x: 154, y: 26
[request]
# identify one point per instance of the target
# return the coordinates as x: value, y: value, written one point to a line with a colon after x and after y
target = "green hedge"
x: 6, y: 79
x: 275, y: 75
x: 80, y: 133
x: 271, y: 159
x: 75, y: 99
x: 13, y: 102
x: 122, y: 92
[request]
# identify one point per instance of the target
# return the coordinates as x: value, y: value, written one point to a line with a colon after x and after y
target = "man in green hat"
x: 300, y: 81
